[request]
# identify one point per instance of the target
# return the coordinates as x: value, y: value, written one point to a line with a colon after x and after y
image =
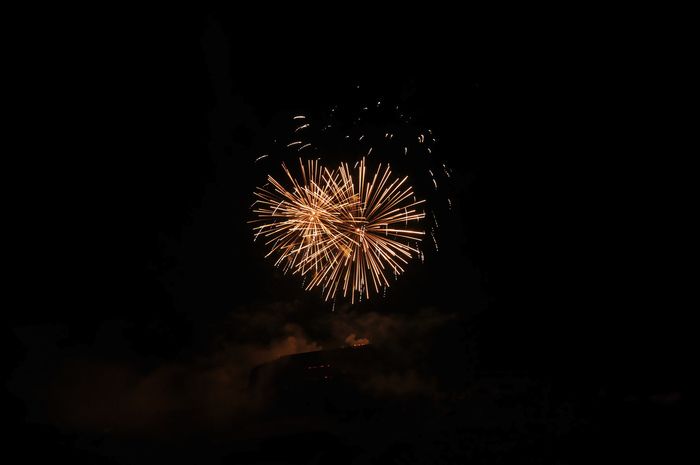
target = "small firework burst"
x: 341, y: 228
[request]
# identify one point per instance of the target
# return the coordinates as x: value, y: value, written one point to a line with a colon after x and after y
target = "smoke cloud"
x: 83, y: 389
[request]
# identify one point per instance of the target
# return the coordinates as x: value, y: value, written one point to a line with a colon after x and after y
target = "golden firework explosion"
x: 340, y: 231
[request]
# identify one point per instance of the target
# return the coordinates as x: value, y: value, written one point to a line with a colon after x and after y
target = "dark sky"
x: 137, y: 181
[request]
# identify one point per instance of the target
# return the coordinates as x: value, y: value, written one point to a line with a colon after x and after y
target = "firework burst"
x: 341, y: 229
x: 345, y: 229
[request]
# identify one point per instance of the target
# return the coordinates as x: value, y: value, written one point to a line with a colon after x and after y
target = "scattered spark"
x: 299, y: 117
x: 434, y: 240
x: 260, y: 158
x: 303, y: 126
x: 447, y: 172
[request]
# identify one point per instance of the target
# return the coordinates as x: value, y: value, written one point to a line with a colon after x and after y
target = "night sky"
x: 143, y: 303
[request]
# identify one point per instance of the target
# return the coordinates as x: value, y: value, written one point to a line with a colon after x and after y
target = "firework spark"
x: 341, y: 229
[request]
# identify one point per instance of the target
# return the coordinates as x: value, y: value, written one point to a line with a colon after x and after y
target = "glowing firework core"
x: 340, y: 231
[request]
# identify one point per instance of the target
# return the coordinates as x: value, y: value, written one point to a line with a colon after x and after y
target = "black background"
x: 135, y: 181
